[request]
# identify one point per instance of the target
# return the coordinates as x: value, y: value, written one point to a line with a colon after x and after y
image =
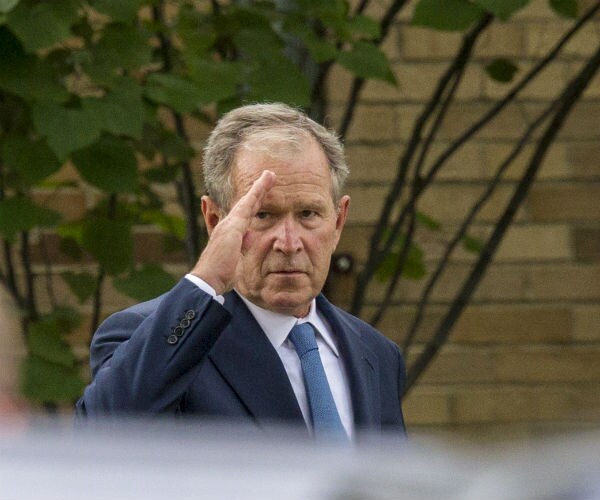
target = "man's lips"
x: 289, y: 272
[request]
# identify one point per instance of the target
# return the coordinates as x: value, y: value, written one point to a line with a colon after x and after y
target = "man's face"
x: 287, y: 249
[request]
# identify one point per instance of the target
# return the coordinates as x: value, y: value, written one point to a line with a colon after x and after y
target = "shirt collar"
x: 277, y: 326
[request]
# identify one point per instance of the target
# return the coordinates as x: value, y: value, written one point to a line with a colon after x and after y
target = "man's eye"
x: 262, y: 215
x: 307, y: 214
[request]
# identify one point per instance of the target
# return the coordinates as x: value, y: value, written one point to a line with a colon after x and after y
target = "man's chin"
x: 289, y: 303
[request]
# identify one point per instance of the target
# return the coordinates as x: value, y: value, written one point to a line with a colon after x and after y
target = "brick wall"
x: 524, y: 358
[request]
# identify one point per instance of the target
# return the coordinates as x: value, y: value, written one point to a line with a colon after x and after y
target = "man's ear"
x: 342, y: 212
x: 211, y: 213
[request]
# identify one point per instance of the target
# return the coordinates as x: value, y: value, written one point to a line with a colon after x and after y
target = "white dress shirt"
x: 277, y: 327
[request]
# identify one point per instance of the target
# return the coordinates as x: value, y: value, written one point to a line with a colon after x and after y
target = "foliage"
x: 102, y: 85
x: 90, y: 83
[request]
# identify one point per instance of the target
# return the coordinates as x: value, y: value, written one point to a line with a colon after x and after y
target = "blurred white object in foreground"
x: 195, y: 460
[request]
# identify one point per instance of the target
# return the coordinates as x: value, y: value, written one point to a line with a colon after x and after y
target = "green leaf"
x: 124, y: 10
x: 501, y: 70
x: 44, y: 381
x: 253, y: 34
x: 42, y: 24
x: 320, y: 50
x: 44, y: 340
x: 502, y: 9
x: 108, y: 164
x: 364, y: 26
x: 176, y: 92
x: 332, y: 14
x: 473, y: 244
x: 169, y: 144
x: 122, y: 46
x: 446, y: 15
x: 414, y: 268
x: 145, y: 283
x: 67, y: 129
x: 366, y: 60
x: 21, y: 214
x: 120, y: 112
x: 217, y: 80
x: 7, y: 5
x: 414, y: 265
x: 197, y: 31
x: 72, y: 231
x: 83, y: 285
x: 33, y: 160
x: 27, y: 76
x: 428, y: 222
x: 172, y: 224
x: 110, y: 242
x: 565, y: 8
x: 278, y: 79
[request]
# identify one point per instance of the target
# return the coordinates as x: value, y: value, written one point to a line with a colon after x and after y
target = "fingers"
x: 248, y: 205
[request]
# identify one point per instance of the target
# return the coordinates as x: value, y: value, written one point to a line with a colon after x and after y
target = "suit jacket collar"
x: 361, y: 365
x: 247, y: 360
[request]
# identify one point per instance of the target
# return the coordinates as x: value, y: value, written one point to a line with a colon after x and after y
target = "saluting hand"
x: 218, y: 262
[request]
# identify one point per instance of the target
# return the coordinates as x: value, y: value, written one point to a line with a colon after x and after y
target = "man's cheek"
x: 247, y: 241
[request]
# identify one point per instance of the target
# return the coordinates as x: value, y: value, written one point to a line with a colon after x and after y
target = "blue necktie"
x: 325, y: 418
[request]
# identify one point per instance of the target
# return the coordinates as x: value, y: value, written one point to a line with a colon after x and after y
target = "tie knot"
x: 303, y: 338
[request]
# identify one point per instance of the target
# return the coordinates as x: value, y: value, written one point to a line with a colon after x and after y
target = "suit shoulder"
x: 138, y: 312
x: 367, y: 331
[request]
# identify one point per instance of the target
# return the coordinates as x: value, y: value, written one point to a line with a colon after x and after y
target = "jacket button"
x: 191, y: 314
x: 184, y: 323
x: 172, y: 339
x: 178, y: 331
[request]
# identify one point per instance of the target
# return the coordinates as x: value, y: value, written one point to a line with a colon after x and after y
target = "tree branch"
x: 30, y: 297
x: 565, y: 104
x: 47, y: 272
x: 459, y: 235
x: 377, y: 254
x: 501, y: 104
x: 186, y: 191
x: 358, y: 83
x: 97, y: 300
x: 401, y: 262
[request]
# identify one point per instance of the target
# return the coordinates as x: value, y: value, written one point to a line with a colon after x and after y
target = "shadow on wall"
x: 12, y: 351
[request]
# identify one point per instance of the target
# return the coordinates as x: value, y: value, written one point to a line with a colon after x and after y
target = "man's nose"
x: 287, y: 239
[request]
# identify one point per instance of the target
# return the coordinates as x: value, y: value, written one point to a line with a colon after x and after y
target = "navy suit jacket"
x: 220, y: 364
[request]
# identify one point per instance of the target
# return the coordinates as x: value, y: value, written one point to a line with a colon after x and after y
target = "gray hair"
x: 265, y: 126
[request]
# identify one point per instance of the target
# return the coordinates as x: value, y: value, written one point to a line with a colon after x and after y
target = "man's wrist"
x: 205, y: 287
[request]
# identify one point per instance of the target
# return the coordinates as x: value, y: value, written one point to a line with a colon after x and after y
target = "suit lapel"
x: 361, y: 367
x: 247, y: 360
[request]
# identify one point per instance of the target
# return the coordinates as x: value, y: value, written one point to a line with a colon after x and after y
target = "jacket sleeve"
x: 143, y: 359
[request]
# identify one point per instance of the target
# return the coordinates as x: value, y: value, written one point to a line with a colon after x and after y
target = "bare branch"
x: 565, y: 103
x: 30, y: 297
x: 97, y: 299
x: 358, y: 83
x: 510, y: 96
x: 186, y: 190
x: 460, y: 233
x: 399, y: 269
x: 376, y: 253
x: 47, y: 271
x: 360, y: 8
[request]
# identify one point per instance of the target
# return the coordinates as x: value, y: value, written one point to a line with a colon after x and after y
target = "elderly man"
x: 247, y: 334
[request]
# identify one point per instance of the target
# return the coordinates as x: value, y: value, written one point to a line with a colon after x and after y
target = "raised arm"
x: 143, y: 359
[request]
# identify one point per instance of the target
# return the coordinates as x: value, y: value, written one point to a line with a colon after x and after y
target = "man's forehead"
x: 277, y: 143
